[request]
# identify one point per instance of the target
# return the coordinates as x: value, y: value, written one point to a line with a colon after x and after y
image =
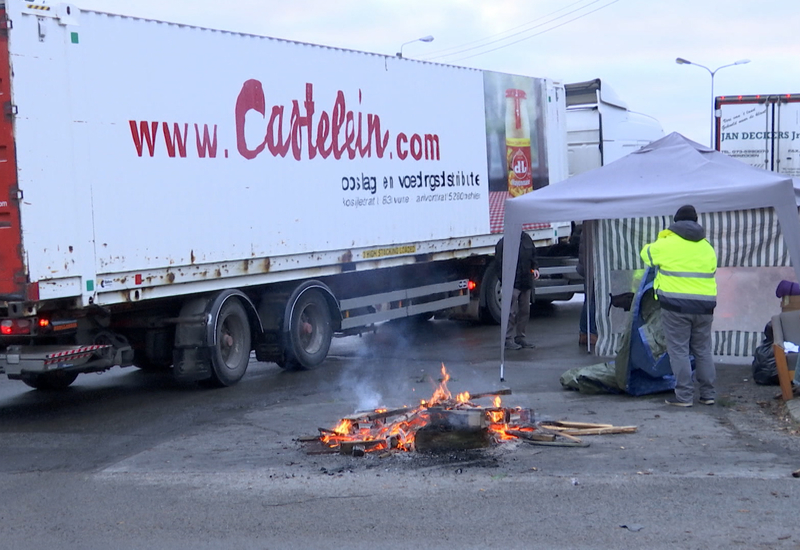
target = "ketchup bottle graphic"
x: 518, y: 143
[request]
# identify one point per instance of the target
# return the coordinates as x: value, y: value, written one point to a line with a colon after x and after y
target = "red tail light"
x: 11, y: 327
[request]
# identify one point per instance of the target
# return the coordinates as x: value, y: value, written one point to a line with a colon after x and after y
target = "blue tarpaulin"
x: 642, y: 364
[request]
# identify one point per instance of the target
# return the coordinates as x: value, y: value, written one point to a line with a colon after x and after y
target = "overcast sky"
x: 630, y: 44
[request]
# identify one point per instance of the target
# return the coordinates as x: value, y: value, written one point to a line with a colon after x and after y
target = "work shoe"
x: 583, y: 339
x: 524, y: 343
x: 675, y: 403
x: 706, y: 401
x: 511, y: 344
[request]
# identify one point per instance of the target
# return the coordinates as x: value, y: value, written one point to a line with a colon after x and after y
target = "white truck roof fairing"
x: 600, y: 127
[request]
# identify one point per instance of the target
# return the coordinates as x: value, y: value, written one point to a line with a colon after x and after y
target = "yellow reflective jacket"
x: 686, y: 264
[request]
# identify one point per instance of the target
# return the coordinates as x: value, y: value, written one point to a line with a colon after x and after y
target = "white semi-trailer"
x: 760, y: 130
x: 178, y: 197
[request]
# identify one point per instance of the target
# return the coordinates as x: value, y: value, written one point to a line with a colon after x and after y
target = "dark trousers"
x: 690, y: 334
x: 520, y: 314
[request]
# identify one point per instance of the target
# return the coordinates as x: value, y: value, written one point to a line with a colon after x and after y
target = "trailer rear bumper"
x: 38, y: 359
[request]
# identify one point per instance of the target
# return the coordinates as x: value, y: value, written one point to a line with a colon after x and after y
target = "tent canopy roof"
x: 653, y: 181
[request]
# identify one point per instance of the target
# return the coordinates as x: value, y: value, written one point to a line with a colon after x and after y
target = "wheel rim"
x: 309, y: 327
x: 231, y: 340
x: 498, y: 294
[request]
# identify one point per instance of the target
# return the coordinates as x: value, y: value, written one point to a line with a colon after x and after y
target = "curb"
x: 793, y: 406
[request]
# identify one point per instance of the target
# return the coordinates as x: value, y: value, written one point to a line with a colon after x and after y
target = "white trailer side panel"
x: 152, y: 153
x: 762, y: 131
x: 208, y: 202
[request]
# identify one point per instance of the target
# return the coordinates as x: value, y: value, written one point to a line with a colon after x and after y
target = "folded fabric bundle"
x: 787, y: 288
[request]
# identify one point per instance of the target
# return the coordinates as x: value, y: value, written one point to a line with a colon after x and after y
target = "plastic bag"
x: 764, y: 370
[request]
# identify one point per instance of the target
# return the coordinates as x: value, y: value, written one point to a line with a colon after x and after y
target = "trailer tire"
x: 50, y: 381
x: 491, y: 312
x: 231, y: 353
x: 310, y: 332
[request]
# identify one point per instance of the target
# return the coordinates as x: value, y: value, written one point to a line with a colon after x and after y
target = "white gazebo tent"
x: 653, y: 181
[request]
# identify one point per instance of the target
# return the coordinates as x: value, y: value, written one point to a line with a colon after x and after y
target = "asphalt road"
x: 128, y: 459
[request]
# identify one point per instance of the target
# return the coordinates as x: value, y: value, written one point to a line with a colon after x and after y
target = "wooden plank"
x: 602, y: 431
x: 783, y: 372
x: 571, y: 424
x: 565, y: 435
x: 438, y: 441
x: 504, y: 391
x: 358, y: 447
x: 378, y: 415
x: 532, y: 436
x: 457, y: 419
x: 559, y: 443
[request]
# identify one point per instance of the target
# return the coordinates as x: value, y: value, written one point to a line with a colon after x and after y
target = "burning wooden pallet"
x: 447, y: 423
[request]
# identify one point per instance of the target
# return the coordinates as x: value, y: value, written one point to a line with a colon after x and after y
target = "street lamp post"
x: 428, y: 38
x: 682, y: 61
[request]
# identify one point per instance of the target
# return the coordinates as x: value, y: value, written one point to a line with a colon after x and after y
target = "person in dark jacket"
x: 527, y: 271
x: 687, y: 292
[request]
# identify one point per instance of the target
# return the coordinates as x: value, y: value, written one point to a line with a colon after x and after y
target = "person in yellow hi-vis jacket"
x: 687, y: 292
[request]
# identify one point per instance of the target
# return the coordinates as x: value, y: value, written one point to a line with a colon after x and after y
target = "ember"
x: 401, y: 429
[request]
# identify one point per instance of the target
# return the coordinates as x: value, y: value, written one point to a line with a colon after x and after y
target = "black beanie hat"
x: 686, y: 212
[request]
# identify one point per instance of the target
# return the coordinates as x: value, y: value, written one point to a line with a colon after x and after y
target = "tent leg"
x: 502, y: 372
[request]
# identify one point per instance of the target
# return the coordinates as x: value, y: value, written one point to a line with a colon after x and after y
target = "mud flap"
x: 191, y: 364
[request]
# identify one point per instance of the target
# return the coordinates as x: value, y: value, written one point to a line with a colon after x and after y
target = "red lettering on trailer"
x: 431, y: 147
x: 176, y: 140
x: 402, y: 151
x: 414, y: 145
x: 338, y: 133
x: 206, y: 145
x: 145, y: 134
x: 142, y: 133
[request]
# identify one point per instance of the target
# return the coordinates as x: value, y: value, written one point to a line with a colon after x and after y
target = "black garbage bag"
x: 764, y: 370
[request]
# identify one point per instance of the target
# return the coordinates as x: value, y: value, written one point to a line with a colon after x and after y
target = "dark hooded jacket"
x: 526, y: 262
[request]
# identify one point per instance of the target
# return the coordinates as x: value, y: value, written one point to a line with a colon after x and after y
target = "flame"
x: 399, y: 434
x: 441, y: 393
x: 496, y: 417
x: 343, y: 427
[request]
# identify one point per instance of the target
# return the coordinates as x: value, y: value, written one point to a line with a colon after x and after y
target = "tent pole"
x: 588, y: 234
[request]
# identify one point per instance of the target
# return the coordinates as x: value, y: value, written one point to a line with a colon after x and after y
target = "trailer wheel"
x: 310, y: 332
x: 230, y: 356
x: 492, y: 290
x: 56, y: 380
